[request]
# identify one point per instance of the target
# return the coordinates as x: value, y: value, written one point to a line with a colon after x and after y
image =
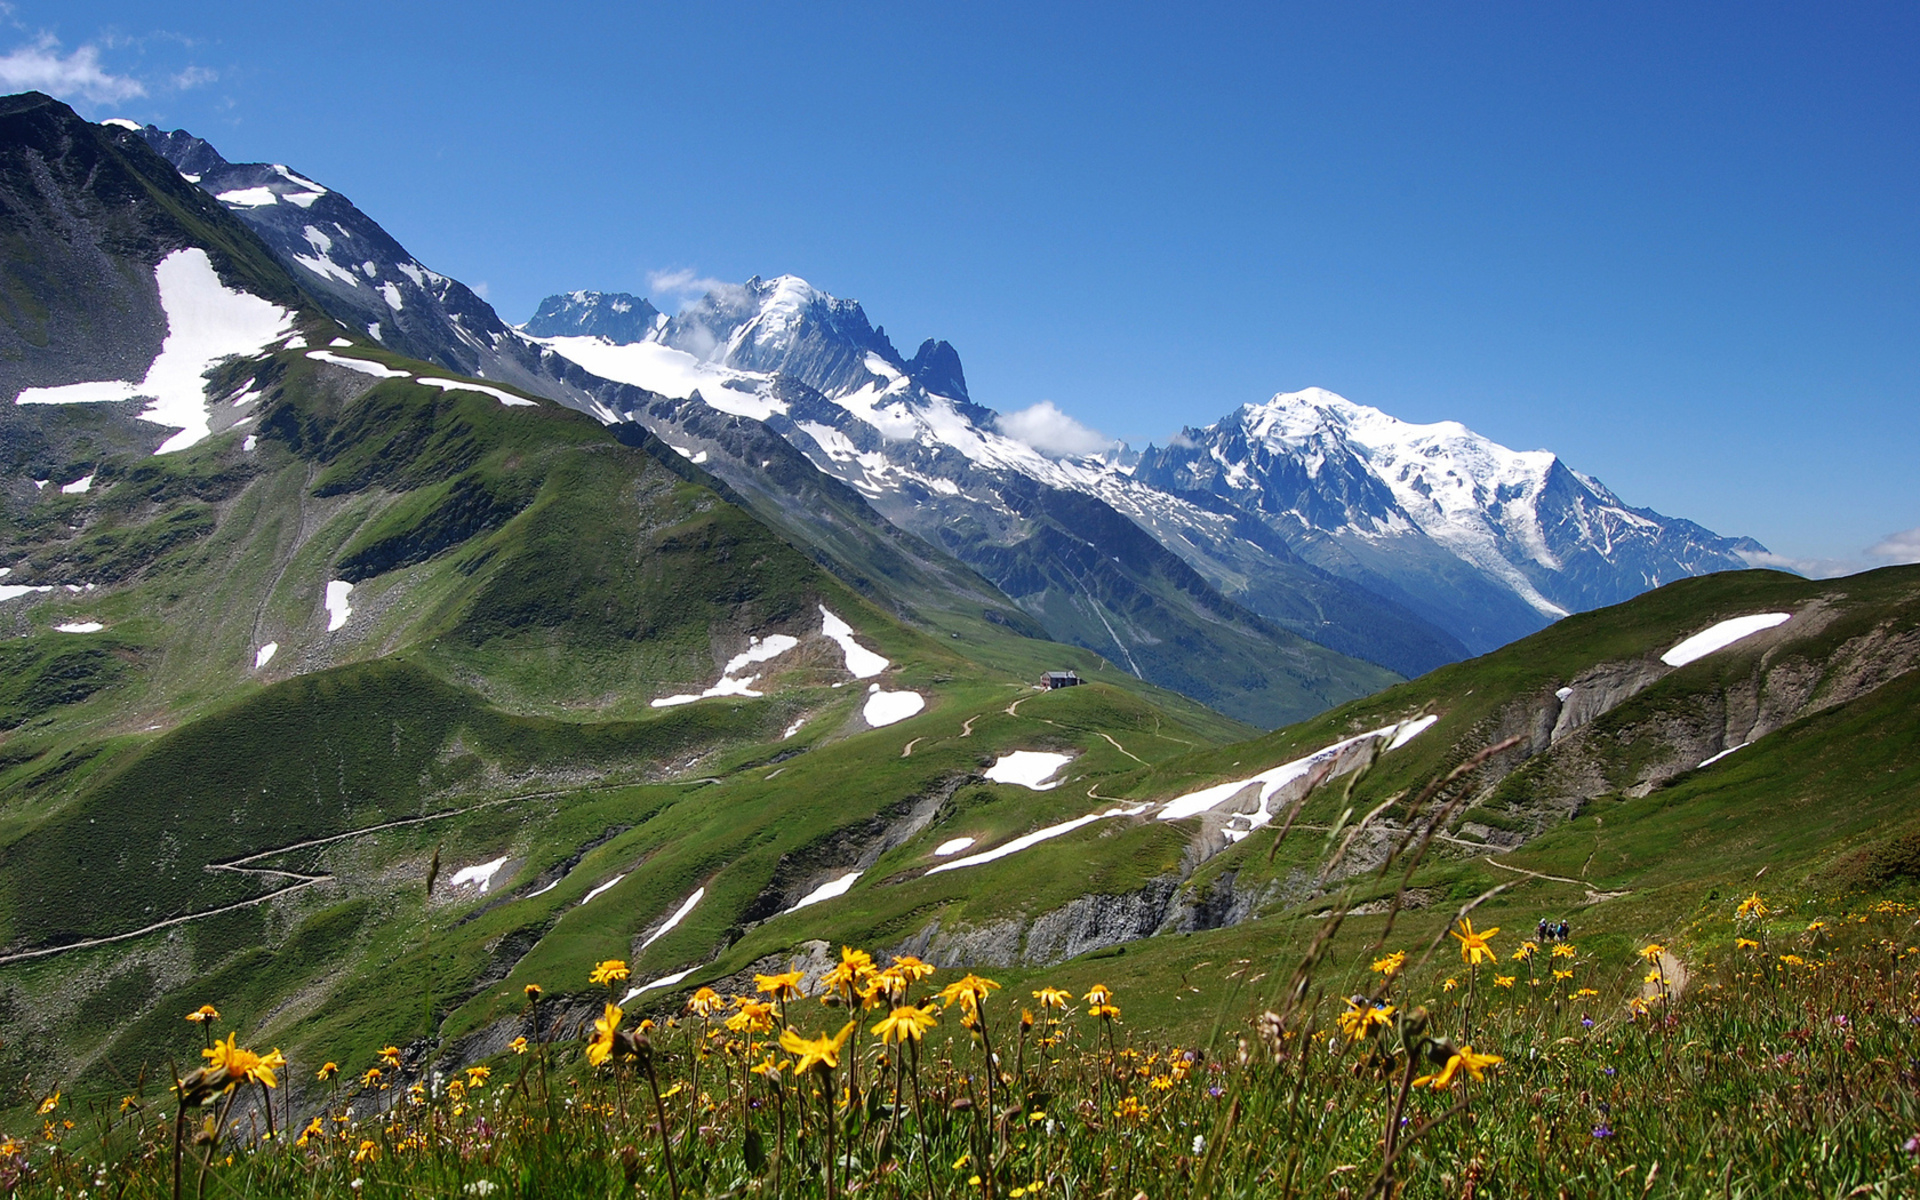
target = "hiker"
x: 1563, y: 933
x: 1542, y: 934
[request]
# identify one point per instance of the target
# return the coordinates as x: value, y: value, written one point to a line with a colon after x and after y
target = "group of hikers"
x: 1552, y: 932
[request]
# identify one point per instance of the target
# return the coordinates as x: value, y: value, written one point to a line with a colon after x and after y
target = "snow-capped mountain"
x: 1369, y: 497
x: 360, y: 275
x: 1485, y: 543
x: 615, y: 316
x: 907, y: 436
x: 1346, y: 530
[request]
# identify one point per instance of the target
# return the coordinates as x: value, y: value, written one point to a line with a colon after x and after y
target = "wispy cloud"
x: 1893, y: 549
x: 39, y: 66
x: 194, y: 77
x: 1898, y: 547
x: 1050, y: 431
x: 1812, y: 568
x: 681, y: 284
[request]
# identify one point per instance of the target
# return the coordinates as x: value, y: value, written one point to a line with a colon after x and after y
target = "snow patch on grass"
x: 862, y: 663
x: 603, y: 887
x: 663, y: 981
x: 949, y: 848
x: 826, y: 891
x: 678, y: 916
x: 455, y: 385
x: 1035, y: 838
x: 357, y: 364
x: 1272, y: 780
x: 885, y: 708
x: 480, y: 874
x: 1029, y: 769
x: 338, y: 610
x: 264, y: 654
x: 1720, y: 636
x: 80, y: 627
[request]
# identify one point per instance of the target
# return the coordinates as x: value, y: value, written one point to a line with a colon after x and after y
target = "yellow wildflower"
x: 771, y: 1068
x: 906, y: 1023
x: 1745, y: 944
x: 1564, y: 950
x: 390, y: 1057
x: 1563, y: 974
x: 327, y: 1071
x: 1524, y: 950
x: 49, y: 1104
x: 604, y: 1027
x: 969, y: 992
x: 705, y: 1003
x: 1450, y: 984
x: 477, y: 1076
x: 1474, y: 948
x: 853, y: 967
x: 1652, y: 951
x: 1391, y: 964
x: 1586, y: 993
x: 518, y: 1045
x: 367, y: 1152
x: 1053, y: 997
x: 371, y: 1077
x: 784, y: 986
x: 206, y: 1012
x: 533, y: 993
x: 754, y: 1016
x: 609, y: 972
x: 823, y: 1051
x: 1463, y: 1059
x: 1505, y: 981
x: 1752, y: 908
x: 1360, y: 1018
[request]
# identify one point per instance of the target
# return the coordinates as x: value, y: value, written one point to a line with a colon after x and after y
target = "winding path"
x: 236, y: 865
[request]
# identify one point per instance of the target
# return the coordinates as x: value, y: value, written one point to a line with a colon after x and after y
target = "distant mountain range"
x: 1304, y: 523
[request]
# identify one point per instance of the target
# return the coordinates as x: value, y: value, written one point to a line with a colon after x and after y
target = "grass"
x: 1763, y: 1050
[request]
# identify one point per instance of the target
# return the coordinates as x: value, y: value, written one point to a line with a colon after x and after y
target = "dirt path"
x: 1013, y: 710
x: 1593, y: 897
x: 1122, y: 749
x: 1676, y: 975
x: 966, y: 728
x: 237, y: 866
x: 906, y: 751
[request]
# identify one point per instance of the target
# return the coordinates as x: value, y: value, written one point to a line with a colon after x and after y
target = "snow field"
x: 1029, y: 769
x: 80, y: 627
x: 480, y: 875
x: 264, y: 654
x: 1272, y: 780
x: 455, y: 385
x: 206, y: 322
x: 862, y: 663
x: 663, y: 981
x: 1720, y: 636
x: 826, y: 891
x: 885, y: 708
x: 678, y: 916
x: 338, y: 610
x: 949, y: 848
x: 357, y: 364
x: 758, y: 650
x: 1035, y: 838
x: 596, y: 891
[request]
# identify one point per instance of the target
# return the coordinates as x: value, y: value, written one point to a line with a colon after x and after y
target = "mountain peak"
x: 618, y: 317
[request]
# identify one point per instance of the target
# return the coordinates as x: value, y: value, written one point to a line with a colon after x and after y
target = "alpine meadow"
x: 702, y: 749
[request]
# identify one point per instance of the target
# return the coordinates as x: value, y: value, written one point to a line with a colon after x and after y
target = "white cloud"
x: 194, y: 77
x: 1050, y: 431
x: 1812, y: 568
x: 482, y: 289
x: 40, y: 67
x: 682, y: 283
x: 1898, y: 547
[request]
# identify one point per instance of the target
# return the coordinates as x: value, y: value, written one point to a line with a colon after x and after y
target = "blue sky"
x: 1676, y: 244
